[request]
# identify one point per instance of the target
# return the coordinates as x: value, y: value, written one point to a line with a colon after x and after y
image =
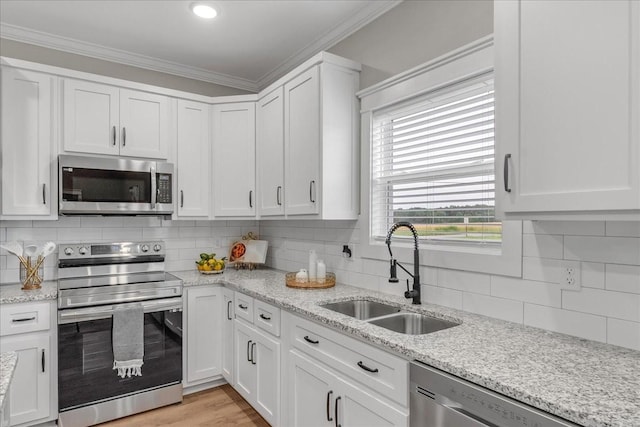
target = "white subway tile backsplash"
x: 122, y: 234
x: 464, y: 281
x: 623, y: 228
x: 567, y: 322
x: 500, y: 308
x: 526, y: 290
x: 541, y: 269
x: 72, y: 235
x: 102, y: 222
x: 21, y: 234
x: 592, y: 274
x: 567, y: 228
x: 160, y: 233
x: 605, y: 309
x: 614, y: 250
x: 62, y: 222
x: 442, y: 296
x: 365, y: 281
x: 542, y: 246
x: 623, y: 278
x: 194, y: 232
x: 618, y: 305
x: 623, y: 333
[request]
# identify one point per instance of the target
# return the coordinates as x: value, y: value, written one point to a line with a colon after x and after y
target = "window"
x: 432, y: 165
x: 428, y: 158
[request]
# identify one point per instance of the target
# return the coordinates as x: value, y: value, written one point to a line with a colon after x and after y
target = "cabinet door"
x: 193, y: 168
x: 144, y: 124
x: 234, y: 159
x: 227, y: 332
x: 311, y: 393
x: 270, y: 153
x: 567, y: 105
x: 245, y: 369
x: 30, y: 387
x: 266, y: 357
x: 27, y: 141
x: 302, y: 142
x: 90, y: 118
x: 359, y: 408
x: 204, y: 337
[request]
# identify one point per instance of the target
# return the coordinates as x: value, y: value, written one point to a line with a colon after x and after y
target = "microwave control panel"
x: 164, y: 188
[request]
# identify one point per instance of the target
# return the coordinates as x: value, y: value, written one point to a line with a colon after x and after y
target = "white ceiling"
x: 248, y: 45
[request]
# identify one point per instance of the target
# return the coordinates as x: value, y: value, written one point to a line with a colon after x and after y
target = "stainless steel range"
x: 93, y: 280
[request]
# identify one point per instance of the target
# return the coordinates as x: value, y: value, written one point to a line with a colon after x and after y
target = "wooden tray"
x: 329, y: 282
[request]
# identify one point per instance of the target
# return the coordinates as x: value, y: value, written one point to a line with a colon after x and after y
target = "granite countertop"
x: 586, y: 382
x: 10, y: 294
x: 8, y: 362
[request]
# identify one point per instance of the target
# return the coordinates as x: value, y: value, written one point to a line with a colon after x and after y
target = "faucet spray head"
x: 393, y: 273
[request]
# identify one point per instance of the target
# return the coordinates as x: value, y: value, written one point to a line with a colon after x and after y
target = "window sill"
x: 505, y: 260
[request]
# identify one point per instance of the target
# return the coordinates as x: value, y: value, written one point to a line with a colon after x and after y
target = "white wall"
x: 606, y: 309
x: 185, y: 240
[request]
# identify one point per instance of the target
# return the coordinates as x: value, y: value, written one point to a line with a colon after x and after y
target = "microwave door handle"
x: 154, y: 187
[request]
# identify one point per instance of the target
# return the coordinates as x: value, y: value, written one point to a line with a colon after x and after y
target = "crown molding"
x: 65, y: 44
x: 330, y: 38
x: 338, y: 33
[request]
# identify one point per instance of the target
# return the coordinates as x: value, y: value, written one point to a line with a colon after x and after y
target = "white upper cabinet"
x: 103, y: 119
x: 270, y: 153
x: 321, y: 129
x: 234, y: 153
x: 302, y: 142
x: 567, y: 109
x: 193, y: 162
x: 29, y: 185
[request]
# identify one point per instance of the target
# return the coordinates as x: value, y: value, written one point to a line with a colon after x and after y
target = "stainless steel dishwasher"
x: 438, y: 399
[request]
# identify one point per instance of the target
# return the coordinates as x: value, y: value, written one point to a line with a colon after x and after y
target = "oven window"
x: 97, y: 185
x: 85, y: 360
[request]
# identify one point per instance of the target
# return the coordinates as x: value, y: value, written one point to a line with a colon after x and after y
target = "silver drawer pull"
x: 24, y: 319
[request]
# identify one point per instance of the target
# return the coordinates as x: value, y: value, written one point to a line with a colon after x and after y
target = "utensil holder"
x: 32, y: 273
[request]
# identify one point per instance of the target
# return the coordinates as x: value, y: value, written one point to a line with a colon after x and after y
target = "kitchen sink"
x: 361, y: 309
x: 412, y: 323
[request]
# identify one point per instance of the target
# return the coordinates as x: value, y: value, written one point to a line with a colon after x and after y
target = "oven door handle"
x: 104, y: 312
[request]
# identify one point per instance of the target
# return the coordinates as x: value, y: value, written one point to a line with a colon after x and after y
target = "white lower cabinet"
x: 203, y: 334
x: 26, y: 331
x: 257, y: 370
x: 319, y: 397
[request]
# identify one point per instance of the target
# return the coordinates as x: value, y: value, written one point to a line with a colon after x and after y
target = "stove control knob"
x: 144, y: 248
x: 68, y: 251
x: 83, y: 250
x: 157, y: 248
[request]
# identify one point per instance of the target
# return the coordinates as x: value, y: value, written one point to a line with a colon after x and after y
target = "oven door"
x: 85, y: 354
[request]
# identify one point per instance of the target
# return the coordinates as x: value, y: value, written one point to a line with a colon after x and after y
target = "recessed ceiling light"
x: 204, y: 11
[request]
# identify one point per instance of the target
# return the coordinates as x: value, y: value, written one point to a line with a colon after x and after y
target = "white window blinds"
x: 432, y: 164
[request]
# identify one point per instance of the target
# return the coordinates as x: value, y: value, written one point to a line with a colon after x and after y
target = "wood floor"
x: 221, y: 406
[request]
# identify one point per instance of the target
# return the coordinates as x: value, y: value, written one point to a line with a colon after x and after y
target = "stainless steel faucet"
x: 415, y: 291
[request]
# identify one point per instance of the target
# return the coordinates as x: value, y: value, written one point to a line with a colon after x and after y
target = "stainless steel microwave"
x: 114, y: 186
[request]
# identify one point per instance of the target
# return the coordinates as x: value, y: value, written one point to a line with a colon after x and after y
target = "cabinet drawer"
x: 21, y: 318
x: 382, y: 372
x: 267, y: 317
x: 244, y: 307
